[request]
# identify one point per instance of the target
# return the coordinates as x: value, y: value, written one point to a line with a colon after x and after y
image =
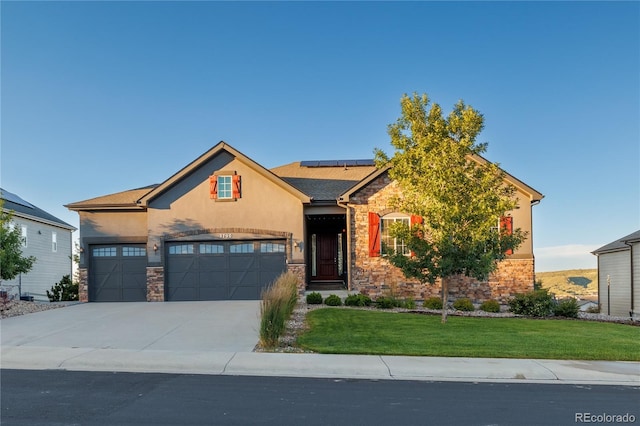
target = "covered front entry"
x: 326, y: 254
x: 222, y: 270
x: 118, y: 273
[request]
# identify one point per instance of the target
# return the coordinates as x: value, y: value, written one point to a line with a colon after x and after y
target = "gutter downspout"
x: 345, y: 205
x: 631, y: 278
x: 533, y: 256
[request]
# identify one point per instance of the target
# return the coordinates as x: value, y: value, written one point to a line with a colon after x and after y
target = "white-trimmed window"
x: 23, y: 230
x: 224, y: 187
x: 54, y: 242
x: 390, y: 244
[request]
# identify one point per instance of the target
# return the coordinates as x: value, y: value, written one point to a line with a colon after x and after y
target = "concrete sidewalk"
x: 323, y: 366
x: 218, y: 338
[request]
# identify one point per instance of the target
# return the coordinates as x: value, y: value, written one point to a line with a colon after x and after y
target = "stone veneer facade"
x: 375, y: 276
x: 299, y: 270
x: 83, y: 285
x: 155, y: 284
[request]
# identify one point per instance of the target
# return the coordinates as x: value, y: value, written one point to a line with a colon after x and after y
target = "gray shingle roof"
x: 618, y: 244
x: 20, y: 207
x: 325, y: 182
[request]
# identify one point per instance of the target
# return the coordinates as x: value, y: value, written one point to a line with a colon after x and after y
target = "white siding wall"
x: 616, y: 266
x: 636, y: 278
x: 50, y: 266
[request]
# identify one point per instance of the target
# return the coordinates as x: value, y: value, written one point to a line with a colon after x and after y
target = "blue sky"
x: 100, y: 97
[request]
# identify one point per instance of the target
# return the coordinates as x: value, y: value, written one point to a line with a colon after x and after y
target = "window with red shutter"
x: 213, y: 187
x: 236, y: 187
x: 506, y: 226
x: 374, y: 234
x: 225, y: 186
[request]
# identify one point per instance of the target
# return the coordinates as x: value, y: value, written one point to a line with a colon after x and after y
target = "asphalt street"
x: 56, y: 397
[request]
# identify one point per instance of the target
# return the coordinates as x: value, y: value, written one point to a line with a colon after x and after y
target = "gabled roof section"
x: 619, y: 245
x: 324, y: 180
x: 217, y: 149
x: 119, y: 200
x: 26, y: 210
x: 534, y: 196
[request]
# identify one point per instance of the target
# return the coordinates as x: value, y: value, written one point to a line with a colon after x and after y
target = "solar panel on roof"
x: 337, y: 163
x: 13, y: 198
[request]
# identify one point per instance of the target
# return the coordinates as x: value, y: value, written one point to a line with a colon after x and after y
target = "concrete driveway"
x: 221, y: 326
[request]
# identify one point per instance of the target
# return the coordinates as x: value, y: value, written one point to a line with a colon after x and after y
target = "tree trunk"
x: 445, y: 298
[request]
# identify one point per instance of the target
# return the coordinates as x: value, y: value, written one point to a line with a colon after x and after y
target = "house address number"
x: 225, y: 236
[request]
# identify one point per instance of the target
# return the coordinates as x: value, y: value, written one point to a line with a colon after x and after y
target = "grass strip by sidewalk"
x: 352, y: 331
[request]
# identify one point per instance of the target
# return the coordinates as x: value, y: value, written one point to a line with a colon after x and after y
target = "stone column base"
x: 155, y: 284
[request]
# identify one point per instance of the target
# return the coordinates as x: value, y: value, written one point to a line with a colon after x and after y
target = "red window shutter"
x: 374, y: 234
x: 213, y: 186
x: 506, y: 226
x: 236, y: 186
x: 416, y: 220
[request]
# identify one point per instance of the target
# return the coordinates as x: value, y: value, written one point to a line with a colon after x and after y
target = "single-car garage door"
x: 118, y: 273
x: 222, y: 270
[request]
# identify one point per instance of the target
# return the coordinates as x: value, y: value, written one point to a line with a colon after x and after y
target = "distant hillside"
x: 579, y: 283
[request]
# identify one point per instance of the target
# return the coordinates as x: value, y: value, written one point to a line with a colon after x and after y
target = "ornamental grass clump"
x: 278, y: 302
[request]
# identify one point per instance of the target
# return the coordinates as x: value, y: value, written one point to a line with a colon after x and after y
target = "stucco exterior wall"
x: 375, y: 276
x: 264, y: 210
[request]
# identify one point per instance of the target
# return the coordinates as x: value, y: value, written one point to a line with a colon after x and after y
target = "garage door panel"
x: 118, y: 273
x: 183, y: 294
x: 225, y: 270
x: 242, y: 261
x: 213, y: 279
x: 213, y: 293
x: 106, y: 294
x: 244, y: 293
x: 243, y: 278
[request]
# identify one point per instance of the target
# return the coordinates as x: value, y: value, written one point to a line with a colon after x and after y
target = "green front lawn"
x: 352, y: 331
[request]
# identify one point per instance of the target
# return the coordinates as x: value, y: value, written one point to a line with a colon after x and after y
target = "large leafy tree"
x: 459, y: 195
x: 12, y: 262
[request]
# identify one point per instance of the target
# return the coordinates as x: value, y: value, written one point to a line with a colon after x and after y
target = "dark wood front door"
x: 327, y: 257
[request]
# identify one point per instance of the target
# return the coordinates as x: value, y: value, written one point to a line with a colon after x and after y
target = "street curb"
x: 371, y: 367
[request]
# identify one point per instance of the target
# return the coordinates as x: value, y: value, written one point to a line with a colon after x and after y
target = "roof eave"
x: 62, y: 225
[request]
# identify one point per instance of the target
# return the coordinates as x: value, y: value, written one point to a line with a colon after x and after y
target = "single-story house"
x: 223, y: 227
x: 45, y: 237
x: 619, y: 276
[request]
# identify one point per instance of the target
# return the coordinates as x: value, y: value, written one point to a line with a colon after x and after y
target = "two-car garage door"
x: 222, y: 270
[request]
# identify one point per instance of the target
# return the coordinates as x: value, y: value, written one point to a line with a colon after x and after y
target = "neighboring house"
x: 45, y: 237
x: 224, y: 227
x: 619, y: 276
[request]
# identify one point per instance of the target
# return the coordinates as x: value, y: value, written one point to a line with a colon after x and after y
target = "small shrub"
x: 490, y: 306
x: 537, y: 303
x: 278, y: 302
x: 333, y: 300
x: 567, y: 308
x: 409, y: 303
x: 357, y: 300
x: 63, y: 291
x: 464, y: 304
x: 433, y: 303
x: 314, y: 298
x: 593, y: 309
x: 385, y: 302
